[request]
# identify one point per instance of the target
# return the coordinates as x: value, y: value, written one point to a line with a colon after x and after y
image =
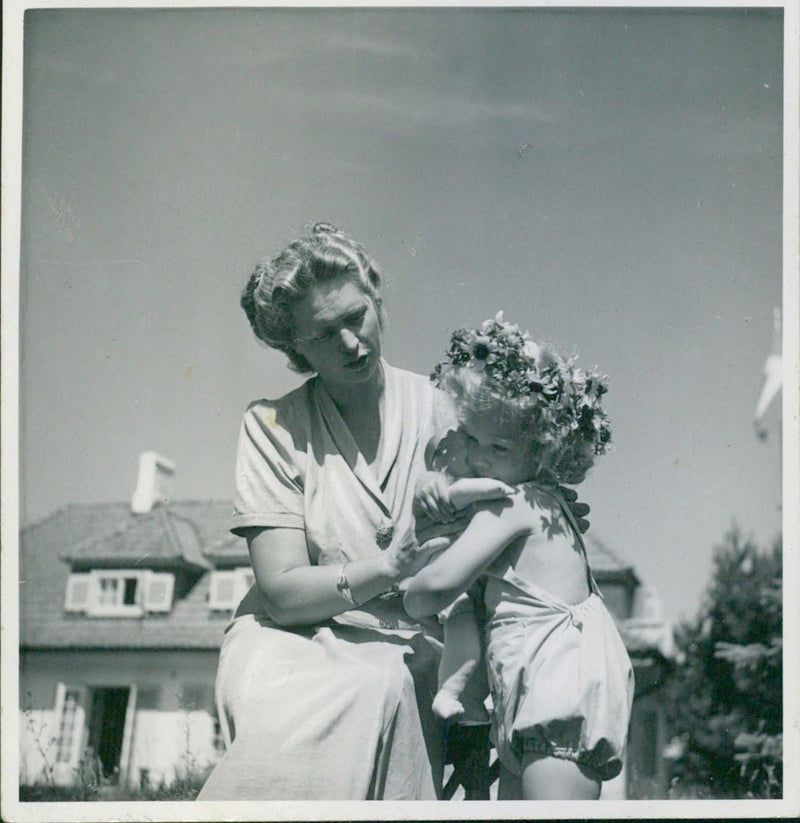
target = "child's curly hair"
x: 556, y: 406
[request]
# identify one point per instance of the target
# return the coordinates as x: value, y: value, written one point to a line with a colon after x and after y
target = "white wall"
x: 171, y: 745
x: 168, y: 737
x: 37, y: 747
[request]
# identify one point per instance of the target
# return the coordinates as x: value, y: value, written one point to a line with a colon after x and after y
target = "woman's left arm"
x: 492, y: 528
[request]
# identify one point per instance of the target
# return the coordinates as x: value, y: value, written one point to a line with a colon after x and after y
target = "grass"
x: 43, y: 793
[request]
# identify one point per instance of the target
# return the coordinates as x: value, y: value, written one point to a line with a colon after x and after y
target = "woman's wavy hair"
x: 276, y: 285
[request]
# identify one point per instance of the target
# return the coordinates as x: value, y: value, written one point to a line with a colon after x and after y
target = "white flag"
x: 773, y: 377
x: 773, y: 369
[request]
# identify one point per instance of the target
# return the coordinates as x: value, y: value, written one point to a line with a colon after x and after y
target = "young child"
x: 560, y: 677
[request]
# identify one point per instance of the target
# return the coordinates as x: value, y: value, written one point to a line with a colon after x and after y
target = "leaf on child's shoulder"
x: 552, y: 526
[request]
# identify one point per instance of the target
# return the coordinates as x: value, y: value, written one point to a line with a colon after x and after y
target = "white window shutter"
x: 77, y: 597
x: 224, y: 588
x: 69, y: 731
x: 158, y: 590
x: 127, y: 732
x: 246, y: 580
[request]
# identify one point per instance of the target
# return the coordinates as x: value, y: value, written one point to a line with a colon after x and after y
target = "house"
x: 648, y: 638
x: 122, y: 613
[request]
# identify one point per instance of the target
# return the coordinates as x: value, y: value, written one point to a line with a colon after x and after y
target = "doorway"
x: 107, y: 728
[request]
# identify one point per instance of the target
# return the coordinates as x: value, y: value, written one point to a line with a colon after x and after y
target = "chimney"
x: 154, y: 482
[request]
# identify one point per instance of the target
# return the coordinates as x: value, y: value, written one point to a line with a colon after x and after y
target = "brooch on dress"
x: 384, y: 535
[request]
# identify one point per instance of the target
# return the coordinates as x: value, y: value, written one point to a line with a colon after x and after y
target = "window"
x: 247, y: 577
x: 68, y: 729
x: 119, y: 592
x: 228, y: 587
x: 195, y: 698
x: 148, y: 698
x: 617, y: 599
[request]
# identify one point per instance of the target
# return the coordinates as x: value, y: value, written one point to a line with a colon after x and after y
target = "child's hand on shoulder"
x: 432, y: 498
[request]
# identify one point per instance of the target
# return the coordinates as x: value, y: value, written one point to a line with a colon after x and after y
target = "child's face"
x: 496, y: 450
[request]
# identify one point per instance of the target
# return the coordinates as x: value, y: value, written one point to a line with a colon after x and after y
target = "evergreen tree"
x: 727, y: 693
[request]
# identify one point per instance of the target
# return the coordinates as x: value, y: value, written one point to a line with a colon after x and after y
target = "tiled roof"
x: 105, y: 533
x: 606, y: 564
x: 227, y: 551
x: 642, y: 634
x: 159, y: 537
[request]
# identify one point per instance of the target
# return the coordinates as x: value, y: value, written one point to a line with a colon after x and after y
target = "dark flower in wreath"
x: 481, y: 349
x: 536, y: 386
x: 586, y: 419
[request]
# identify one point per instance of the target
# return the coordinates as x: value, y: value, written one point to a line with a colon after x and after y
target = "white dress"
x: 561, y: 679
x: 340, y: 710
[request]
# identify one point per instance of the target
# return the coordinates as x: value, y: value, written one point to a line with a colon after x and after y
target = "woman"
x: 325, y: 684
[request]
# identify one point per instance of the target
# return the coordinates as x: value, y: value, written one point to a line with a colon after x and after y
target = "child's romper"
x: 561, y: 678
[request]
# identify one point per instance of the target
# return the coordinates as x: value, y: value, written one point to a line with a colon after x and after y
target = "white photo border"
x: 13, y: 810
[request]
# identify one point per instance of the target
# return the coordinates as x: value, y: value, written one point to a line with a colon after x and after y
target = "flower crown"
x: 566, y: 401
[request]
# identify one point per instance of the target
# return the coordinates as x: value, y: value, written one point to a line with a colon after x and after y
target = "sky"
x: 610, y: 178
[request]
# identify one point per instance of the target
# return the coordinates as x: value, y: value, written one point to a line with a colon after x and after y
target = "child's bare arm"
x: 469, y: 490
x: 438, y: 499
x: 491, y: 529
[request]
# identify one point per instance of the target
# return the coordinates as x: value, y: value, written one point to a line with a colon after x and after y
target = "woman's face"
x: 338, y: 331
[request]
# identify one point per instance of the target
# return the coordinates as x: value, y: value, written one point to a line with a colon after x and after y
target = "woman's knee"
x: 389, y: 677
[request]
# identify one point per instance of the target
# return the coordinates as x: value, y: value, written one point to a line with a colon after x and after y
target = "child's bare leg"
x: 461, y: 663
x: 551, y: 778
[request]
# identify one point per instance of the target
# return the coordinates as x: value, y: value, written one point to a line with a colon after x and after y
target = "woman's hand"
x: 405, y: 558
x: 579, y: 510
x: 295, y: 593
